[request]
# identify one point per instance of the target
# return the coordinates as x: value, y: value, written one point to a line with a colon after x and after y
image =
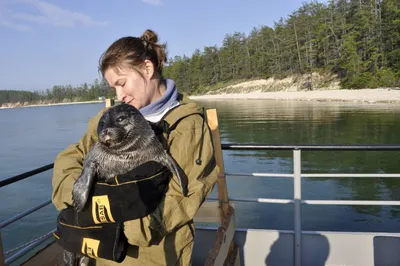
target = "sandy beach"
x: 363, y: 95
x: 384, y: 95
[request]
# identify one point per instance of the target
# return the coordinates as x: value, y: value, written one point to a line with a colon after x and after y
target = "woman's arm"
x: 176, y: 210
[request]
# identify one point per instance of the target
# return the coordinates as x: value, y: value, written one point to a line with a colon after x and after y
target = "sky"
x: 59, y: 42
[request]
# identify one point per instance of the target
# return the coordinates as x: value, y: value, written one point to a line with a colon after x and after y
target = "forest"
x: 59, y: 94
x: 357, y: 40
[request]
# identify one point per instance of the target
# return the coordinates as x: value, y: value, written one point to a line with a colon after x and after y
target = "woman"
x: 133, y: 67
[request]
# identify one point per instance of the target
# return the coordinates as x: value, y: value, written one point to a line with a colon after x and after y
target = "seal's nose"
x: 105, y: 137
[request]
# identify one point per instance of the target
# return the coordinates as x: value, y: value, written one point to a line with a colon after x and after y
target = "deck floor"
x: 49, y: 256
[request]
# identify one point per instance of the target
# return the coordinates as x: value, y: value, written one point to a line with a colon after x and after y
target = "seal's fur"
x: 126, y: 140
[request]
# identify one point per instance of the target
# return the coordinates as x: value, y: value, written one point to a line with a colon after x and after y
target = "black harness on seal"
x: 97, y: 231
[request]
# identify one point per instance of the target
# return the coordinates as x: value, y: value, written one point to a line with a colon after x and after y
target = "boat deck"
x: 275, y: 248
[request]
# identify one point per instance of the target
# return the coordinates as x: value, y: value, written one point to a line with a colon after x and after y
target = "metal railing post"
x: 1, y: 252
x: 297, y: 206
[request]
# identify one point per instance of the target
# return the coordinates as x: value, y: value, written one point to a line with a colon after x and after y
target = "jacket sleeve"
x: 176, y: 210
x: 68, y: 165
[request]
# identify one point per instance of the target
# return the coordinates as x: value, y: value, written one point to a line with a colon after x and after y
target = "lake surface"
x: 32, y: 137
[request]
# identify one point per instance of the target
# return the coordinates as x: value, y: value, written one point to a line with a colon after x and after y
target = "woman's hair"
x: 132, y: 51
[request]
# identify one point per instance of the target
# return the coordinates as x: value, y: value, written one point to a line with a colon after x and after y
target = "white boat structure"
x: 226, y: 244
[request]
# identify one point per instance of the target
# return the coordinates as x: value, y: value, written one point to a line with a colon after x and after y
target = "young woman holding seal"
x: 133, y: 67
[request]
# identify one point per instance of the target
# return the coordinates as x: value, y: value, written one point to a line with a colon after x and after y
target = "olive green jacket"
x: 166, y: 236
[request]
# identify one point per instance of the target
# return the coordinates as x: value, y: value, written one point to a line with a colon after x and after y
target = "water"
x: 32, y: 137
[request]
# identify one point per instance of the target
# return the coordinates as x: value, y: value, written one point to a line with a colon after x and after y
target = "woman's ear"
x: 148, y: 68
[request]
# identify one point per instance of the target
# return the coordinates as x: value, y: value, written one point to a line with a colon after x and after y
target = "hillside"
x: 357, y: 41
x: 291, y: 83
x: 297, y: 87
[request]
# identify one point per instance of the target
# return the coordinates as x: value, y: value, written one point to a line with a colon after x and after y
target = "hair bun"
x: 150, y: 36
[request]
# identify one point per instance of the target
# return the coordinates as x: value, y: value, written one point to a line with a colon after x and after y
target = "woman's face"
x: 131, y: 87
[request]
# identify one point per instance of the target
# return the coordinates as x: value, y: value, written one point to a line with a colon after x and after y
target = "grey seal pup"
x: 125, y: 141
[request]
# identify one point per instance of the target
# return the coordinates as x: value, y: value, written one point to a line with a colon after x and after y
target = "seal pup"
x: 125, y: 141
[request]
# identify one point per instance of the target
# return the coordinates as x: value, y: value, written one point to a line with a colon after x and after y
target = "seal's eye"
x: 120, y: 118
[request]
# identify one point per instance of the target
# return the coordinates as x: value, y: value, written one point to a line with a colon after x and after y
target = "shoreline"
x: 361, y: 95
x: 383, y: 95
x: 49, y: 104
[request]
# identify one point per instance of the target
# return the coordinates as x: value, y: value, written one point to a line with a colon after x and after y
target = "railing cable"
x: 26, y: 244
x: 29, y: 247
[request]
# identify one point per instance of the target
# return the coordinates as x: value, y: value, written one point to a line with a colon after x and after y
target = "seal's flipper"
x: 84, y: 261
x: 83, y: 185
x: 72, y: 259
x: 69, y: 258
x: 175, y: 169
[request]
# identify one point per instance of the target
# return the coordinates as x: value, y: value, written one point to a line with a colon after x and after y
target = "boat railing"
x: 297, y: 199
x: 298, y: 174
x: 25, y: 248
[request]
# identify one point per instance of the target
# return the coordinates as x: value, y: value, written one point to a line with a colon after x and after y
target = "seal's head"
x: 120, y: 125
